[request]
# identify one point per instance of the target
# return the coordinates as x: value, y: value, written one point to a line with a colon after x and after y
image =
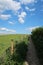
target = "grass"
x: 5, y: 41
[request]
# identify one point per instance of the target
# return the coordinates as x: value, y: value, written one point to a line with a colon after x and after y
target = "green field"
x: 5, y: 41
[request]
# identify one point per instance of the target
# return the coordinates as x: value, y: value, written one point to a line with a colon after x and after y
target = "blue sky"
x: 20, y: 16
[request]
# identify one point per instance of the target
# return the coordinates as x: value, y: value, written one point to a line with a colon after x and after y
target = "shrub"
x: 20, y: 52
x: 19, y: 55
x: 37, y: 38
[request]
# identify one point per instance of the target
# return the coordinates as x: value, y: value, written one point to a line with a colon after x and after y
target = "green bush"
x: 37, y: 38
x: 20, y: 52
x: 18, y: 57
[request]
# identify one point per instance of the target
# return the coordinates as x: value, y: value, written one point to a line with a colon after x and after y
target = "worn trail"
x: 31, y: 54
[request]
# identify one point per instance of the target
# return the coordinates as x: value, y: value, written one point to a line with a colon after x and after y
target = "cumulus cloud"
x: 9, y: 5
x: 27, y: 1
x: 14, y: 6
x: 21, y: 20
x: 5, y: 16
x: 7, y: 30
x: 21, y: 17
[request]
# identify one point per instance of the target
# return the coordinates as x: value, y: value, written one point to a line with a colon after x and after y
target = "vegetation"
x: 5, y: 41
x: 37, y: 37
x: 20, y: 49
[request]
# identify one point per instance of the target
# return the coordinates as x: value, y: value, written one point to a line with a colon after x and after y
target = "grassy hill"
x: 5, y: 40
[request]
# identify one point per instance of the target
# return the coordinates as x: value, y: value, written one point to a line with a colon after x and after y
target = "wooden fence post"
x: 12, y: 46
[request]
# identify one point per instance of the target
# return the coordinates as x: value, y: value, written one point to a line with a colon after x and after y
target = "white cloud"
x: 23, y: 14
x: 5, y: 16
x: 7, y: 30
x: 21, y: 20
x: 27, y: 1
x: 3, y: 29
x: 14, y: 6
x: 31, y: 28
x: 27, y: 8
x: 11, y: 22
x: 9, y: 5
x: 30, y: 9
x: 21, y: 17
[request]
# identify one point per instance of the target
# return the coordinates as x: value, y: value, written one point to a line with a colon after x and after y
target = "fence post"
x: 12, y: 46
